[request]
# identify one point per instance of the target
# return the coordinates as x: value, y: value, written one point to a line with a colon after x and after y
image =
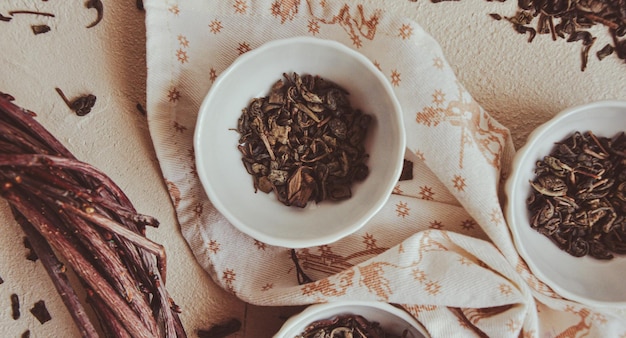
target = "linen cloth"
x: 440, y: 247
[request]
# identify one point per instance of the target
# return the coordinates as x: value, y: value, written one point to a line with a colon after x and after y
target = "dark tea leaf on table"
x: 40, y: 312
x: 40, y: 29
x: 15, y: 307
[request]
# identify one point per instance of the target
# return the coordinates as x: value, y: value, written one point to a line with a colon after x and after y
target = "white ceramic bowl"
x: 390, y: 318
x: 584, y: 279
x: 229, y: 186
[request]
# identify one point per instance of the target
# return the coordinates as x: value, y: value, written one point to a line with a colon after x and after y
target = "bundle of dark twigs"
x: 68, y: 207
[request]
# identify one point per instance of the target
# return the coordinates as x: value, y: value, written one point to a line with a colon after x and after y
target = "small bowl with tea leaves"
x: 357, y: 319
x: 299, y: 142
x: 566, y: 203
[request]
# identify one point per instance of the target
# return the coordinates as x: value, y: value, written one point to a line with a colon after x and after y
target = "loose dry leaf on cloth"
x: 440, y: 246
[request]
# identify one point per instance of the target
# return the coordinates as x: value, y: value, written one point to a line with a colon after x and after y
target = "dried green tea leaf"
x: 304, y: 141
x: 578, y: 198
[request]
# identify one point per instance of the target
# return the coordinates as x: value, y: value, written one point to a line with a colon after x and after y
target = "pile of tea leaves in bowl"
x: 348, y: 325
x: 304, y: 141
x: 578, y: 198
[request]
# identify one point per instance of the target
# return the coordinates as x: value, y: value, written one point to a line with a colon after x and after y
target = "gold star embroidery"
x: 459, y: 183
x: 198, y: 209
x: 243, y: 48
x: 465, y: 261
x: 426, y: 193
x: 173, y: 95
x: 496, y: 216
x: 420, y: 155
x: 513, y: 325
x: 213, y: 246
x: 397, y: 190
x: 419, y: 275
x: 599, y: 317
x: 435, y: 225
x: 276, y: 8
x: 183, y: 41
x: 260, y: 245
x: 356, y: 41
x: 438, y: 63
x: 406, y: 31
x: 267, y: 287
x: 395, y: 78
x: 179, y: 127
x: 325, y: 250
x: 240, y: 7
x: 432, y: 287
x: 377, y: 65
x: 468, y: 224
x: 439, y: 97
x: 229, y: 275
x: 505, y: 289
x: 182, y: 56
x: 402, y: 209
x: 212, y: 74
x: 174, y: 9
x: 314, y: 27
x: 215, y: 26
x: 370, y: 241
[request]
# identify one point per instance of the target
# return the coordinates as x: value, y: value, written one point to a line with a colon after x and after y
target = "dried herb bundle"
x: 304, y: 141
x: 578, y: 198
x: 342, y: 326
x: 70, y: 208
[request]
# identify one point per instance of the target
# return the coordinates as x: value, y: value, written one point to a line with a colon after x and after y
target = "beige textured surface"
x: 520, y: 84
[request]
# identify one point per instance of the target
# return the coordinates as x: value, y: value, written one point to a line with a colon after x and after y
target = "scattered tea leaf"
x: 15, y: 307
x: 81, y: 105
x: 12, y: 13
x: 1, y: 280
x: 99, y: 7
x: 302, y: 277
x: 141, y: 109
x: 407, y: 171
x: 26, y: 334
x: 495, y: 16
x: 40, y: 312
x: 40, y: 29
x: 5, y: 18
x: 571, y: 20
x: 605, y: 51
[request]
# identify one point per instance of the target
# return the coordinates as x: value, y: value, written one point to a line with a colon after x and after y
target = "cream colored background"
x: 520, y: 84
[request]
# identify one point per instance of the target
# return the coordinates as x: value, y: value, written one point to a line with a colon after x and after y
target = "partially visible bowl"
x: 392, y: 319
x: 583, y: 279
x: 230, y: 187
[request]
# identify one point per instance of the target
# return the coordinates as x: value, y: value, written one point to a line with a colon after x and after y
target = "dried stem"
x: 81, y: 213
x: 56, y: 271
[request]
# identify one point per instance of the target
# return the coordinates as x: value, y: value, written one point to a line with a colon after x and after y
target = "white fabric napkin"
x: 440, y: 247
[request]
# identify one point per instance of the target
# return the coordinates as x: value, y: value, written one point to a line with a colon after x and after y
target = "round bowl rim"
x: 397, y: 155
x: 520, y: 156
x: 314, y: 309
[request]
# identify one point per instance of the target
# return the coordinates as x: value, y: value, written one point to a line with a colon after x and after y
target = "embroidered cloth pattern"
x: 440, y: 247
